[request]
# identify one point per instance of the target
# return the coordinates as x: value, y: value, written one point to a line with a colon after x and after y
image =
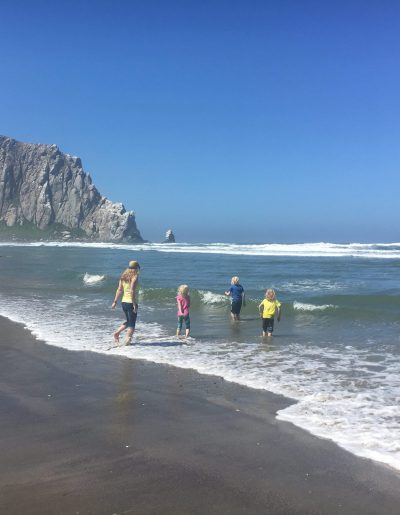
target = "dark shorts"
x: 130, y: 314
x: 268, y: 325
x: 182, y: 319
x: 236, y: 306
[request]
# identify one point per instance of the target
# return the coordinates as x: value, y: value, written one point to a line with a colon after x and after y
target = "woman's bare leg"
x: 118, y: 332
x: 129, y: 335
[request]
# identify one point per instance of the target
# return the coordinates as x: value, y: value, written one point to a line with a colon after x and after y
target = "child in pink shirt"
x: 183, y: 302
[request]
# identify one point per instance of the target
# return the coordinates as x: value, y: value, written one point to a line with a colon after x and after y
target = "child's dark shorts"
x: 236, y: 306
x: 268, y: 325
x: 130, y: 314
x: 182, y: 319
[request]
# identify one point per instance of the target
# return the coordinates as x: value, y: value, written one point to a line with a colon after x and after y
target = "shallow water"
x: 336, y: 349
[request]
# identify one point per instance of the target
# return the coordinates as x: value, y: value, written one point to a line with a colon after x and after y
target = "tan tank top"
x: 127, y: 296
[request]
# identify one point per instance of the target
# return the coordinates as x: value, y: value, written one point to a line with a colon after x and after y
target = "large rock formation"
x: 169, y: 237
x: 42, y: 186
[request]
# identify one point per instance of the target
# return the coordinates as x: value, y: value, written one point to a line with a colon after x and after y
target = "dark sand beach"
x: 87, y: 433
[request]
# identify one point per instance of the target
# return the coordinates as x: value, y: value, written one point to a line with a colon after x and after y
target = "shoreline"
x: 89, y: 433
x: 234, y: 381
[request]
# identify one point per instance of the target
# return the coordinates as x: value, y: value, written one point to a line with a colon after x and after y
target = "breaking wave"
x: 208, y: 297
x: 302, y: 306
x: 91, y: 279
x: 322, y: 249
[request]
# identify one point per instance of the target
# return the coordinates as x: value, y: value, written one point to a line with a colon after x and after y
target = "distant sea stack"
x: 43, y: 189
x: 169, y: 237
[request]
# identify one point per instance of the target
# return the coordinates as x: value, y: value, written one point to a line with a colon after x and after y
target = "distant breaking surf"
x: 356, y: 250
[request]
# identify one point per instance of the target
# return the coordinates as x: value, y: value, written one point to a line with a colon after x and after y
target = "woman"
x: 128, y: 287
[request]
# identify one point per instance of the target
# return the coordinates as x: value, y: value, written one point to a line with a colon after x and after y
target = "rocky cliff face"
x: 45, y: 187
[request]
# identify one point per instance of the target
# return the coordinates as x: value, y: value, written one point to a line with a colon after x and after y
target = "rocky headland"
x: 44, y: 192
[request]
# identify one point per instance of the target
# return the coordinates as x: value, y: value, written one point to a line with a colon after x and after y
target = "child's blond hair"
x: 270, y: 294
x: 183, y: 290
x: 235, y: 280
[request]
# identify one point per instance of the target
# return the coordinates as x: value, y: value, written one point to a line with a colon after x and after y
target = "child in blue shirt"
x: 236, y: 292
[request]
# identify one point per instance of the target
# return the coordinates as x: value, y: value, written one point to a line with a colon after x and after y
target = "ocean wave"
x: 353, y: 306
x: 208, y: 297
x: 168, y: 295
x: 302, y: 306
x: 322, y: 249
x: 309, y: 285
x: 92, y: 279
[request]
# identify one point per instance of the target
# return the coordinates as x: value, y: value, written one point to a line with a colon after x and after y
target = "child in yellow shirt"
x: 268, y: 307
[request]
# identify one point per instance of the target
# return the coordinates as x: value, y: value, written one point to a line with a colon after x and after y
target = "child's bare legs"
x: 182, y: 319
x: 179, y: 328
x: 267, y: 327
x: 187, y: 326
x: 265, y: 334
x: 235, y: 316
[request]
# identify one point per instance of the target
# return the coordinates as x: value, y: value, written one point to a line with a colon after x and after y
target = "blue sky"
x: 264, y: 121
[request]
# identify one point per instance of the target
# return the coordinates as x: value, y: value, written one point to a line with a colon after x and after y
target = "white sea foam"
x: 360, y: 422
x: 308, y: 285
x: 66, y: 324
x: 340, y: 395
x: 91, y: 279
x: 322, y: 249
x: 302, y: 306
x: 208, y: 297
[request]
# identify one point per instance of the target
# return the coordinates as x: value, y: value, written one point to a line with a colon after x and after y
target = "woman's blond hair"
x: 235, y: 280
x: 128, y: 274
x: 183, y: 290
x: 270, y: 294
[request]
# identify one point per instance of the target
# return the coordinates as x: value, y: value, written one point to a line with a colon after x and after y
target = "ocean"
x: 336, y: 350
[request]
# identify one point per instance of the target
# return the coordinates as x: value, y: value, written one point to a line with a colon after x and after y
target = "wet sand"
x: 86, y: 433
